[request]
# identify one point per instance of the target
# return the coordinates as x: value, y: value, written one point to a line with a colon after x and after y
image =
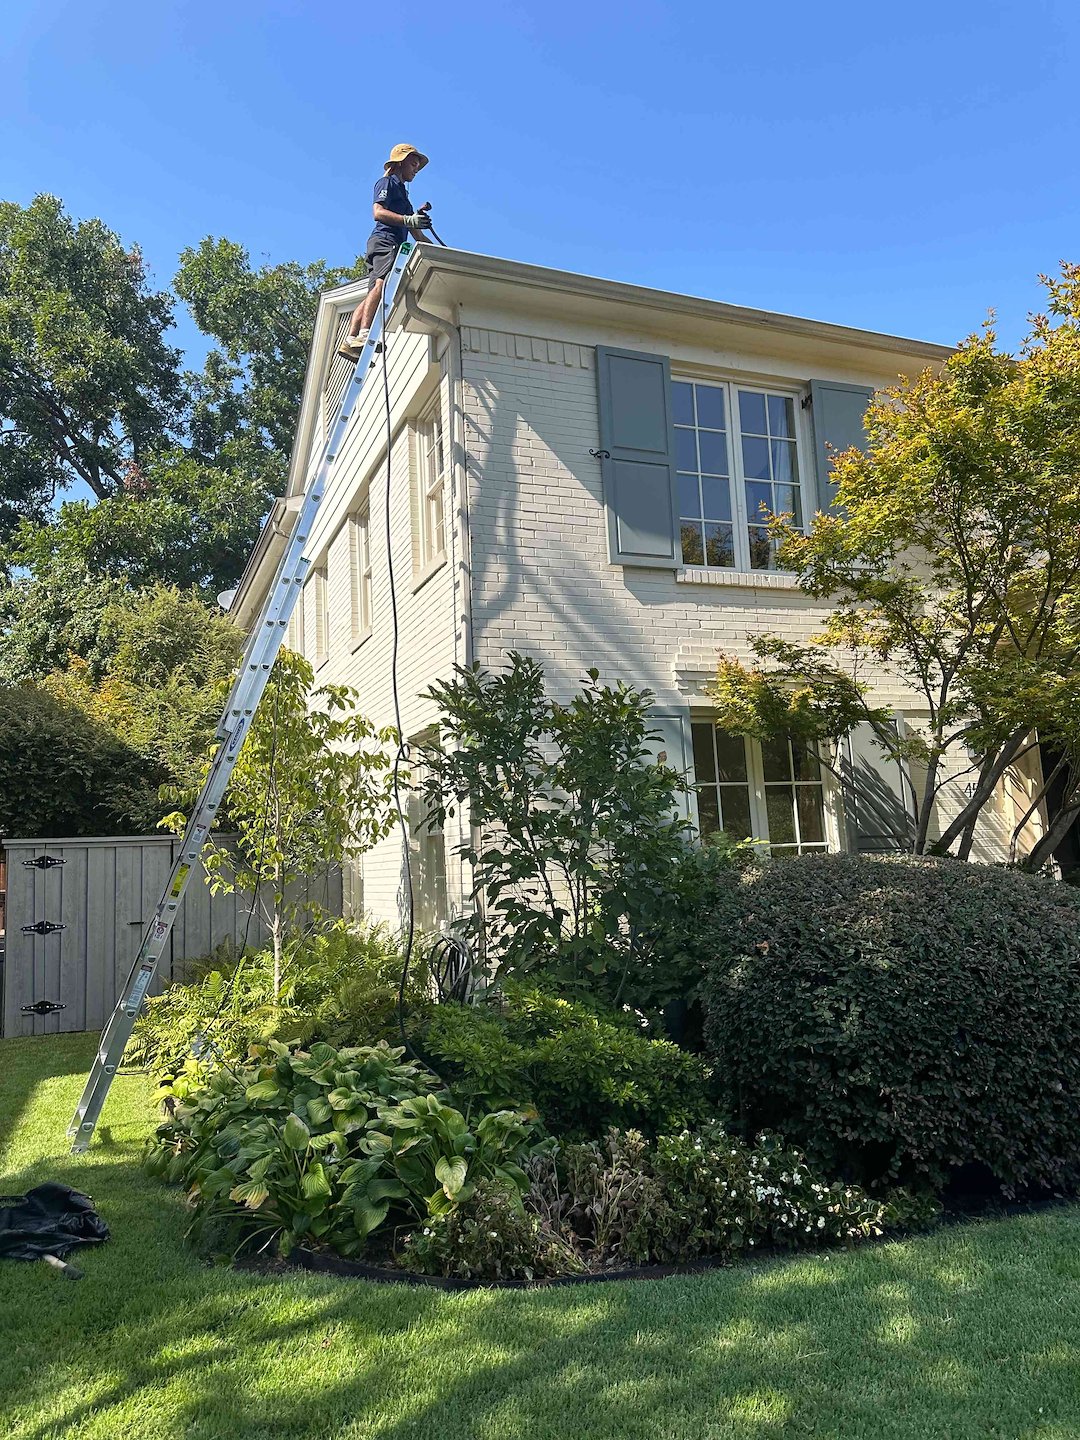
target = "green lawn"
x: 973, y: 1331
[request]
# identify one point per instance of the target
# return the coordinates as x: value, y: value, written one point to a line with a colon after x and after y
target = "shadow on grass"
x: 966, y: 1333
x: 28, y: 1062
x: 770, y: 1352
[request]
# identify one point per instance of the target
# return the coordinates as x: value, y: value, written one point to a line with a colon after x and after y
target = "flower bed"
x: 352, y: 1152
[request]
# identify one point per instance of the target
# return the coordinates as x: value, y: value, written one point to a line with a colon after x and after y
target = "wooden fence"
x: 102, y: 896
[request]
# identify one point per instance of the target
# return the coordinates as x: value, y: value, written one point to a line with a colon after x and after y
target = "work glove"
x: 420, y: 221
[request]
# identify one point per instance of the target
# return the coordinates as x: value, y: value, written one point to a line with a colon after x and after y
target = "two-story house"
x: 575, y: 468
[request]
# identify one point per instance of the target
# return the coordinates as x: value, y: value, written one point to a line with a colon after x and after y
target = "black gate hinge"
x: 42, y: 1007
x: 43, y: 927
x: 44, y: 862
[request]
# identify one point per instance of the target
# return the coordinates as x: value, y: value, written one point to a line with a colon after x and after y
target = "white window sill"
x: 360, y: 640
x: 748, y: 579
x: 433, y: 567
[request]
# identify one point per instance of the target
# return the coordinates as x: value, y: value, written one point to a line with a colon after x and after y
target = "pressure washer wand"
x: 429, y: 231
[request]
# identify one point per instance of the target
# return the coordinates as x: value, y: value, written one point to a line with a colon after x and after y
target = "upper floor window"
x: 296, y: 625
x: 773, y: 790
x: 320, y: 614
x: 360, y: 571
x: 432, y: 488
x: 737, y: 457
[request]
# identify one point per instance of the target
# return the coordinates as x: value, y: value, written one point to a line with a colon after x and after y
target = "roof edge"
x: 452, y: 262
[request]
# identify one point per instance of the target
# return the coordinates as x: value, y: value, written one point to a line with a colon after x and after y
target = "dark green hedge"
x: 584, y: 1070
x: 62, y: 772
x: 900, y: 1019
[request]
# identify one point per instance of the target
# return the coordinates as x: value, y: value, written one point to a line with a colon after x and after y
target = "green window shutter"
x: 672, y: 746
x: 637, y: 458
x: 838, y: 412
x: 879, y: 804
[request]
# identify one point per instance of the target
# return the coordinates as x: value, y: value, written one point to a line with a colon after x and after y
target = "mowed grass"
x: 971, y: 1331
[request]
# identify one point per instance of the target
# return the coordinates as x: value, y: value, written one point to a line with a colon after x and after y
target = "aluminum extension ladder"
x: 263, y: 644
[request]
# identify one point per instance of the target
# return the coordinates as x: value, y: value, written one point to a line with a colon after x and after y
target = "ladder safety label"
x: 178, y: 883
x: 139, y: 989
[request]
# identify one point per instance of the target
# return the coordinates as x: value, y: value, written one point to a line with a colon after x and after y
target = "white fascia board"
x: 459, y: 276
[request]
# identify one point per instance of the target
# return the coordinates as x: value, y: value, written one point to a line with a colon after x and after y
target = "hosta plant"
x: 323, y: 1146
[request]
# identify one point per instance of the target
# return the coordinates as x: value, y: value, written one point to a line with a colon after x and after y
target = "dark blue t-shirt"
x: 390, y: 192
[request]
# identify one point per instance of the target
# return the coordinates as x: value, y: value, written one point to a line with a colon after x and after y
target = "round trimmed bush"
x: 900, y: 1019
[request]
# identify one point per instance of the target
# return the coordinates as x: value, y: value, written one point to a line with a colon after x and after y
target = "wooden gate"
x: 74, y: 927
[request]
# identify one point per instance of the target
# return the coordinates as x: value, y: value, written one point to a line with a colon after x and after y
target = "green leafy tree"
x: 262, y: 319
x: 311, y: 788
x: 50, y: 610
x: 190, y: 524
x: 577, y: 834
x: 163, y: 682
x: 87, y: 750
x: 952, y: 561
x: 88, y: 386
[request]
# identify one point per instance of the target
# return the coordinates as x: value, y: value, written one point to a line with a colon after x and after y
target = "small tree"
x: 952, y: 560
x: 576, y: 831
x: 311, y: 788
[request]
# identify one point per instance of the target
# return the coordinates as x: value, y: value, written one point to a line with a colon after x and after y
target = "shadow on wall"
x: 503, y: 575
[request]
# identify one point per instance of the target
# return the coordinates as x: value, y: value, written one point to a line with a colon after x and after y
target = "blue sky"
x: 901, y: 168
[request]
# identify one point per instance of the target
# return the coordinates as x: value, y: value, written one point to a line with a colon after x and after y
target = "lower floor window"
x: 772, y: 791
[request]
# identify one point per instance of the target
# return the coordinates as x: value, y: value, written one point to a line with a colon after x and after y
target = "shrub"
x: 575, y: 824
x: 584, y: 1070
x: 65, y: 772
x: 323, y: 1146
x: 900, y: 1019
x: 624, y: 1201
x: 489, y: 1236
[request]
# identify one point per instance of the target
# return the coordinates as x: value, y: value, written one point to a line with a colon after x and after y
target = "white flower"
x: 821, y: 1222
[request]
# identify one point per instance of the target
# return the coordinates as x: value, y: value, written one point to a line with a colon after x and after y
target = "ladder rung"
x: 249, y: 685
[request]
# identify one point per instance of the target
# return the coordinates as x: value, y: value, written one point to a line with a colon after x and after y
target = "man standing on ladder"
x: 394, y: 219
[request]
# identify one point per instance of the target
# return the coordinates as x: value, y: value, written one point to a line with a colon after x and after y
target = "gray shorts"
x: 381, y: 254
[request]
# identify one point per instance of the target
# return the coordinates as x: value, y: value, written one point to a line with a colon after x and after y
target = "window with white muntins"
x: 296, y: 626
x: 771, y: 790
x: 318, y: 589
x: 738, y: 458
x: 431, y: 491
x: 360, y: 571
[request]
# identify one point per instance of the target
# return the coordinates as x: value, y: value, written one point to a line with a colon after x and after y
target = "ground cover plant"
x: 625, y: 1201
x: 905, y: 1020
x: 968, y: 1332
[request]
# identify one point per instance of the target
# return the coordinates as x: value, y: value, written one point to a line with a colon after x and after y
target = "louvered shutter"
x: 637, y: 457
x: 838, y: 412
x: 672, y: 747
x: 878, y: 799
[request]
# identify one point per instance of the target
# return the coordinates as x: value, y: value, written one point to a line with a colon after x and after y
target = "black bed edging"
x: 331, y: 1264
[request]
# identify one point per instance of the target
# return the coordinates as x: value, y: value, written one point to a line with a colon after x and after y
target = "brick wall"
x: 542, y: 582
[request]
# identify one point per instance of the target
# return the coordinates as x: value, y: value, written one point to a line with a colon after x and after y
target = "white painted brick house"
x: 575, y: 472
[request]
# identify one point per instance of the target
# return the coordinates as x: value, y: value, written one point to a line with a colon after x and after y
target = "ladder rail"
x: 249, y: 685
